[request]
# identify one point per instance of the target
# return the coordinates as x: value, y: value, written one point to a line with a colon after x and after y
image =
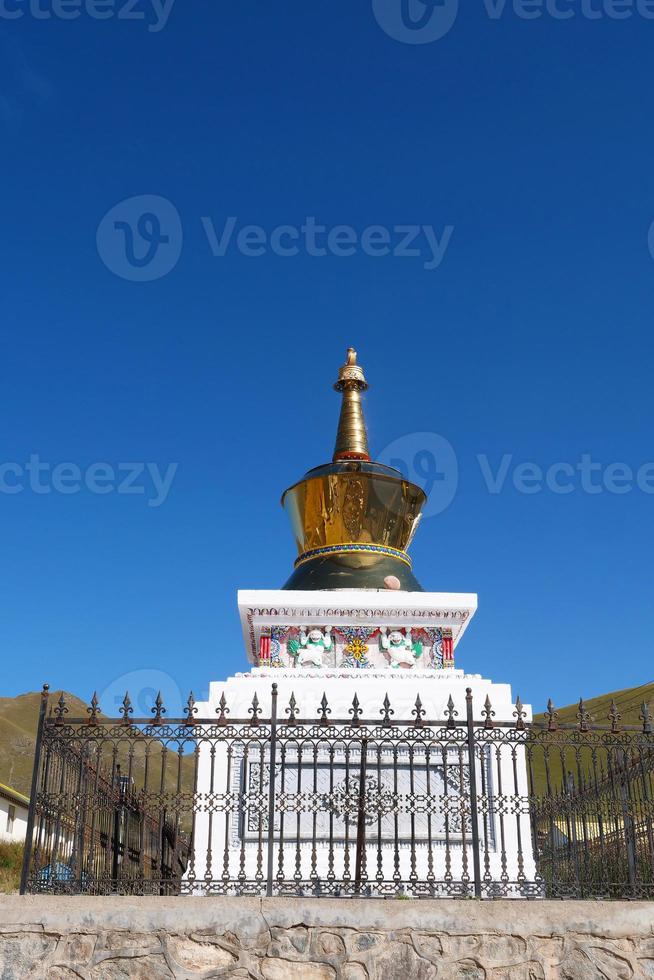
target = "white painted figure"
x: 312, y: 646
x: 399, y: 647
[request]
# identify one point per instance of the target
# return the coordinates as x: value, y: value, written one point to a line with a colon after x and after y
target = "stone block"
x: 280, y: 969
x: 193, y: 955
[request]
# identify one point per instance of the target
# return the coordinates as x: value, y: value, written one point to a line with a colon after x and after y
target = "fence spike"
x: 519, y: 714
x: 614, y: 716
x: 450, y: 713
x: 222, y: 710
x: 355, y: 710
x: 325, y: 710
x: 60, y: 710
x: 93, y: 711
x: 158, y: 711
x: 646, y: 719
x: 488, y: 713
x: 291, y: 710
x: 419, y: 712
x: 552, y: 717
x: 584, y: 717
x: 126, y: 710
x: 255, y: 710
x: 386, y: 711
x: 190, y: 709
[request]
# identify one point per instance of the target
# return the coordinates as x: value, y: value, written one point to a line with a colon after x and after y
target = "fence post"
x: 271, y: 789
x: 29, y: 833
x: 474, y: 816
x: 627, y: 819
x: 361, y: 818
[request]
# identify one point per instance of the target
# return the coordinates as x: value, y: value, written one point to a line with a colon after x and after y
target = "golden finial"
x: 351, y: 438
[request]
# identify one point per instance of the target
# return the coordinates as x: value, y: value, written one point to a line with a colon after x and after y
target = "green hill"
x: 628, y: 701
x: 19, y: 717
x: 18, y: 723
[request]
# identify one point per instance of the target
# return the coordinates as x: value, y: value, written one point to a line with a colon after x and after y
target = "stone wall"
x: 59, y: 938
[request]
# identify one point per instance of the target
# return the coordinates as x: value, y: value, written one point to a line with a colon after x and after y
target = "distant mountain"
x: 19, y: 717
x: 18, y: 721
x: 628, y: 701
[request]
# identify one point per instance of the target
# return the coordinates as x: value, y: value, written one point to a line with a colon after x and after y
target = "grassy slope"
x: 19, y: 715
x: 18, y: 723
x: 11, y: 859
x: 629, y: 703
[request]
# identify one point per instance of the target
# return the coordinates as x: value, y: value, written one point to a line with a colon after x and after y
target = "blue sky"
x: 530, y: 337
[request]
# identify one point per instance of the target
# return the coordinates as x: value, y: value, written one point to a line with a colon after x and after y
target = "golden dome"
x: 353, y: 519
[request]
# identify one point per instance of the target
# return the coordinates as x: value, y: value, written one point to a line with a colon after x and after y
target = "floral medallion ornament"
x: 356, y: 652
x: 356, y: 647
x: 343, y: 801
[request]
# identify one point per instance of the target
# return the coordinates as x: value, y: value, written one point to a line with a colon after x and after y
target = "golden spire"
x: 351, y: 438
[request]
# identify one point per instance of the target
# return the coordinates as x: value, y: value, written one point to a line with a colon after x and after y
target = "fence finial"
x: 324, y: 709
x: 519, y: 714
x: 255, y: 710
x: 646, y: 719
x: 614, y: 716
x: 94, y: 710
x: 552, y: 716
x: 386, y: 711
x: 222, y: 710
x: 450, y: 712
x: 488, y: 713
x: 291, y: 710
x: 584, y: 717
x: 126, y: 709
x: 419, y: 712
x: 356, y: 711
x: 190, y: 709
x: 158, y: 711
x: 60, y: 710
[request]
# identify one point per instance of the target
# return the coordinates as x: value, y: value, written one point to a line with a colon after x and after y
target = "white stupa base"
x: 421, y: 844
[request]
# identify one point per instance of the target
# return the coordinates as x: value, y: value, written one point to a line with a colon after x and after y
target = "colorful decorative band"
x: 345, y: 549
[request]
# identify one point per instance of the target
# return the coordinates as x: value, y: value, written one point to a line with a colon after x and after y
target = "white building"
x: 367, y: 695
x: 13, y: 814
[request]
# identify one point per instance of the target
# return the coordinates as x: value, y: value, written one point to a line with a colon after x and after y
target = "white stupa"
x: 353, y: 637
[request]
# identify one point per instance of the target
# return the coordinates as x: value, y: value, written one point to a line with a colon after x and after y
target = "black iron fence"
x: 280, y: 804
